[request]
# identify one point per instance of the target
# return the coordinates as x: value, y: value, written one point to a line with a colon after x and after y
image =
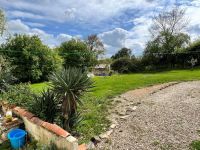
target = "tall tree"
x: 95, y: 44
x: 168, y: 38
x: 123, y: 52
x: 2, y: 22
x: 167, y: 30
x: 33, y: 60
x: 76, y: 54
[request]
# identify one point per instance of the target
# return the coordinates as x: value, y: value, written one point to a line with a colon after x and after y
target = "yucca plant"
x: 70, y: 84
x: 46, y: 106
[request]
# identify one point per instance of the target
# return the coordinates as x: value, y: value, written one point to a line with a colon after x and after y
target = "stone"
x: 124, y: 117
x: 113, y: 126
x: 106, y: 134
x: 134, y: 108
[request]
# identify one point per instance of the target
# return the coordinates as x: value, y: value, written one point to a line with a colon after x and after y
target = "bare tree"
x: 2, y: 22
x: 95, y: 44
x: 172, y: 22
x: 167, y: 30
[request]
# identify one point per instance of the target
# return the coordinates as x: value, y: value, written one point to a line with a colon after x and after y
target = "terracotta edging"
x: 31, y: 117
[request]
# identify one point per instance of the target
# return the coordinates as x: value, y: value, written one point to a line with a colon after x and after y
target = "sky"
x: 118, y: 23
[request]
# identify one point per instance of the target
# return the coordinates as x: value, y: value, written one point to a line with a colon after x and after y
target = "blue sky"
x: 118, y: 23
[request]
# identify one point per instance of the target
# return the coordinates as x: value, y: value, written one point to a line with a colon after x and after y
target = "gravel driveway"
x: 166, y: 119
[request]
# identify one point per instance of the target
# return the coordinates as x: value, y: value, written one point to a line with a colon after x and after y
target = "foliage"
x: 70, y: 84
x: 122, y: 65
x: 124, y: 52
x: 46, y: 106
x: 20, y: 95
x: 76, y: 54
x: 32, y: 59
x: 2, y: 22
x: 95, y: 44
x: 169, y: 42
x: 105, y: 61
x: 126, y: 65
x: 195, y: 145
x: 6, y: 76
x: 75, y: 120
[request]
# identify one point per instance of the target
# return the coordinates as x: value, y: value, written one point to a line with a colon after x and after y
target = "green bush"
x: 33, y: 60
x: 20, y: 95
x: 6, y: 77
x: 122, y: 65
x: 76, y: 54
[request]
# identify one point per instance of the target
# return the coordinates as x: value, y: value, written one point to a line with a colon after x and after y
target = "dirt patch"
x: 160, y: 117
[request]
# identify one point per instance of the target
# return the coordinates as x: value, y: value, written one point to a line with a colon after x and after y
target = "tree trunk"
x: 65, y: 113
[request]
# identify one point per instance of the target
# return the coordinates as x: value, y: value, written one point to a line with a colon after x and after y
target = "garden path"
x: 160, y: 117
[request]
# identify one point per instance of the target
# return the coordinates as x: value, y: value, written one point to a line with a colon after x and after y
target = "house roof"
x: 101, y: 66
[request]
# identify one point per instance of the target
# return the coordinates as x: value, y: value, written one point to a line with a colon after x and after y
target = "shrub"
x: 122, y: 53
x: 33, y: 60
x: 46, y: 106
x: 122, y: 65
x: 20, y: 95
x: 6, y: 77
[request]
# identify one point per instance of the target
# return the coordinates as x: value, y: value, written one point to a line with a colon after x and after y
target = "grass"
x: 97, y: 102
x: 195, y: 145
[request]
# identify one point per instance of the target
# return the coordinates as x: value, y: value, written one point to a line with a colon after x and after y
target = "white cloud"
x: 135, y: 39
x: 95, y: 12
x: 116, y: 37
x: 17, y: 26
x: 35, y: 24
x: 64, y: 37
x: 22, y: 14
x: 79, y: 10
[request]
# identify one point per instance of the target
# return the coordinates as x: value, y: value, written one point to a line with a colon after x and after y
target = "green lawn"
x: 96, y: 103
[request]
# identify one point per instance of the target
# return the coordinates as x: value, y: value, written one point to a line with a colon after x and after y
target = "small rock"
x: 113, y: 126
x: 106, y: 134
x: 109, y: 132
x: 124, y: 117
x: 134, y: 108
x: 130, y: 109
x: 102, y: 136
x: 122, y: 113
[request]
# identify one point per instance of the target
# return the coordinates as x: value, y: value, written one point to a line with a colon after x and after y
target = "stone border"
x: 31, y: 117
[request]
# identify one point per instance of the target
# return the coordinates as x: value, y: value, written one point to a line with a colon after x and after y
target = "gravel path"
x: 154, y: 119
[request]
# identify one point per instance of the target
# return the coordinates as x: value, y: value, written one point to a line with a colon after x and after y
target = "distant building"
x: 101, y: 70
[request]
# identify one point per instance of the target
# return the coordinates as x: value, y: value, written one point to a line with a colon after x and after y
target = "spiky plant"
x: 46, y: 106
x: 70, y: 84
